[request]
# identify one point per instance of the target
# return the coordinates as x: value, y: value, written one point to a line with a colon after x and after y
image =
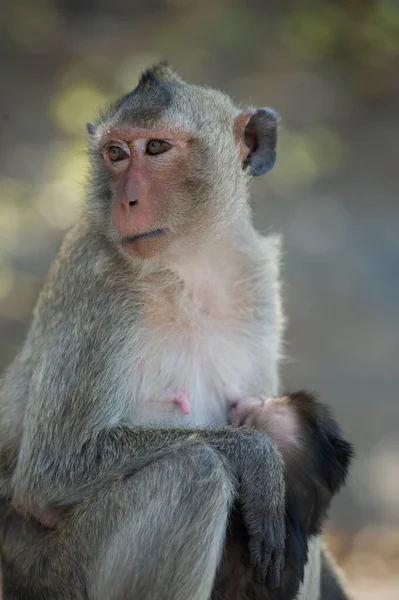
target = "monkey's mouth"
x: 146, y: 234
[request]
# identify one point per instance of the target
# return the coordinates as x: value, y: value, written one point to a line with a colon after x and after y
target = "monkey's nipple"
x: 181, y: 400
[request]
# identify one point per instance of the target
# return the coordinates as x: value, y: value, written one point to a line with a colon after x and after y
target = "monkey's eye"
x: 157, y: 147
x: 116, y: 153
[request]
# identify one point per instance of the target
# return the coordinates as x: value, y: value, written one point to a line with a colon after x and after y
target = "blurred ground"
x: 370, y: 561
x: 332, y: 71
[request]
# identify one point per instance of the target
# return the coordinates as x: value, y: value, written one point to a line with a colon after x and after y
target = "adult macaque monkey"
x: 159, y: 324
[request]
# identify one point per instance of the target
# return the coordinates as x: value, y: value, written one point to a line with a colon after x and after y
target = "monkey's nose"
x: 129, y: 204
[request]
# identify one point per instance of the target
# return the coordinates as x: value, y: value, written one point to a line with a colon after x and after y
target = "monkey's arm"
x: 316, y: 457
x: 61, y: 480
x: 61, y: 475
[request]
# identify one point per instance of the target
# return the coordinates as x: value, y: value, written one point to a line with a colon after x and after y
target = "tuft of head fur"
x: 161, y: 95
x: 160, y: 71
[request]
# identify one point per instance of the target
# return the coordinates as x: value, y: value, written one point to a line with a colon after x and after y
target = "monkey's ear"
x: 257, y: 130
x: 91, y: 128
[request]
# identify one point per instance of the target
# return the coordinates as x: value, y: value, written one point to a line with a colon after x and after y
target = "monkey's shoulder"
x: 83, y: 268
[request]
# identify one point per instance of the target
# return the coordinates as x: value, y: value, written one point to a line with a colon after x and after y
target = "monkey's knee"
x: 176, y: 510
x: 204, y: 459
x: 201, y: 468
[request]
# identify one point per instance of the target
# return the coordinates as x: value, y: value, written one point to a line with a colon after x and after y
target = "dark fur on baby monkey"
x: 137, y: 458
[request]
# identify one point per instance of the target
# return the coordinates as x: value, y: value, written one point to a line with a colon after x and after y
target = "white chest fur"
x: 200, y: 331
x: 210, y: 365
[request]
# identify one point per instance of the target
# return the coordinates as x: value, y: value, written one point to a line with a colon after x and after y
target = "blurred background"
x: 332, y: 71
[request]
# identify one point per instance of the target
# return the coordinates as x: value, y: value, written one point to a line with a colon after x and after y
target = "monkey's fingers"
x: 274, y: 572
x: 266, y: 548
x: 260, y: 556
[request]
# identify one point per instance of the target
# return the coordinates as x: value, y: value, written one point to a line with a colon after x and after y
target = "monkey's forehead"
x: 156, y: 101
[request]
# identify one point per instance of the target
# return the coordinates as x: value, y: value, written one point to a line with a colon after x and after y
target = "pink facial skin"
x: 181, y: 400
x: 275, y: 416
x: 243, y: 410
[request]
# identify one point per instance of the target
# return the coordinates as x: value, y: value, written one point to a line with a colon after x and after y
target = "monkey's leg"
x: 158, y: 534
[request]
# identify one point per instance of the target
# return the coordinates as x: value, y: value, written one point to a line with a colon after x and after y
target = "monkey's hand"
x: 260, y: 473
x: 271, y: 416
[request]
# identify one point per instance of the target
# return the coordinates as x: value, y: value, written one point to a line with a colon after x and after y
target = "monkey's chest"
x: 189, y: 375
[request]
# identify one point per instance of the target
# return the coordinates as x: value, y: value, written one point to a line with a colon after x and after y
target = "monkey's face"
x: 147, y: 169
x: 171, y: 164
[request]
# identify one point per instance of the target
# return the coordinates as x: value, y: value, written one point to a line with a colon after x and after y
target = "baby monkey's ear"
x: 256, y: 131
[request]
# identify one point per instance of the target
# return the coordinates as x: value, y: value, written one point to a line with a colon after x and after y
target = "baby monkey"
x: 137, y: 459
